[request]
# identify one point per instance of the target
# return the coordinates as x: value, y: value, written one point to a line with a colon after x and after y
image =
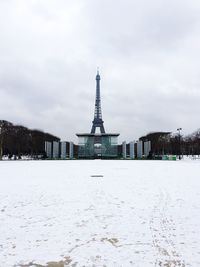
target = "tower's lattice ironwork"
x: 97, y: 122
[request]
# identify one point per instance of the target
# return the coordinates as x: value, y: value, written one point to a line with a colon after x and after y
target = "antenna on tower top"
x: 98, y: 70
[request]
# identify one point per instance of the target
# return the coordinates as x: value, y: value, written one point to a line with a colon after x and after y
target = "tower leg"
x: 93, y: 129
x: 102, y: 129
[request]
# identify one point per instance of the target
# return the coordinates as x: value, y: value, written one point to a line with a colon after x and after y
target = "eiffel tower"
x: 97, y: 122
x: 97, y: 145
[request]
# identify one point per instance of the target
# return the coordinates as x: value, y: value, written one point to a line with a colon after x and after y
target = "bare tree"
x: 159, y: 142
x: 18, y: 140
x: 5, y: 127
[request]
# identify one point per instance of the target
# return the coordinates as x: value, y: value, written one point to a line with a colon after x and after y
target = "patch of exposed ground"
x: 62, y: 263
x: 112, y: 241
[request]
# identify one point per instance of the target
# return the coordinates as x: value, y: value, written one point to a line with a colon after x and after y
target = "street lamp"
x: 179, y: 137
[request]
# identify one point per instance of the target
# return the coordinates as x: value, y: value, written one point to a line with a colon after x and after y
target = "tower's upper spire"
x: 97, y: 122
x: 98, y: 76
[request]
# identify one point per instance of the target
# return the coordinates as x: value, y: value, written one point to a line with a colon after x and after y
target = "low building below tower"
x: 97, y: 145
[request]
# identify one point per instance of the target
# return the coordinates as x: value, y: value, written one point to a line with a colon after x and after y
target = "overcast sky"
x: 148, y: 53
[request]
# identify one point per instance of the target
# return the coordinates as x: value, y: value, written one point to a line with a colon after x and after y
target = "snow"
x: 100, y: 213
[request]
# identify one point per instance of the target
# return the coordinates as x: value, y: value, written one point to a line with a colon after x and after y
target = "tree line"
x: 163, y: 143
x: 17, y: 140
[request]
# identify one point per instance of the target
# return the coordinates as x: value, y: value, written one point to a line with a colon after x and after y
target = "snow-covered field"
x: 100, y: 213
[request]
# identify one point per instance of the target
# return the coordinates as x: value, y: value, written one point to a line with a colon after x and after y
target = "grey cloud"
x: 147, y: 51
